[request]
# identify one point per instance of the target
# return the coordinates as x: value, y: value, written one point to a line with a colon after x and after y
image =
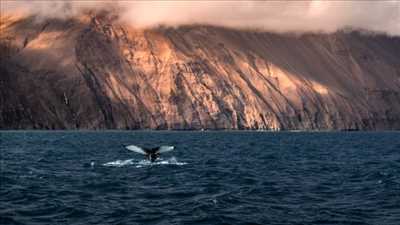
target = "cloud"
x: 281, y: 16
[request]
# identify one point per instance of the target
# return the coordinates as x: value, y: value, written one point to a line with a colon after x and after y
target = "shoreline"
x: 194, y: 130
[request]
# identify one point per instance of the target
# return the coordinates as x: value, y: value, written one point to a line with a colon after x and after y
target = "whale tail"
x: 151, y: 153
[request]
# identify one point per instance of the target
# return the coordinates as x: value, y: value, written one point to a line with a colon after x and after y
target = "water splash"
x: 143, y: 163
x: 119, y: 163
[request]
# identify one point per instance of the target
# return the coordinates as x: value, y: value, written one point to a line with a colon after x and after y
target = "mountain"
x: 95, y: 72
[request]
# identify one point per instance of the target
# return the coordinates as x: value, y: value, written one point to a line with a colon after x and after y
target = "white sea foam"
x: 143, y: 163
x: 119, y: 163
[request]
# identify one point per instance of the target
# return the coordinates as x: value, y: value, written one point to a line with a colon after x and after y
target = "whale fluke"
x: 136, y: 149
x: 163, y: 149
x: 151, y: 153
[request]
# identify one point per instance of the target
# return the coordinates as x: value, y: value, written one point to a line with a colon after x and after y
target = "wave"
x: 143, y: 163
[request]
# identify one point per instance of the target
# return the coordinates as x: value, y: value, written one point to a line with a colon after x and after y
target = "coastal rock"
x: 94, y: 72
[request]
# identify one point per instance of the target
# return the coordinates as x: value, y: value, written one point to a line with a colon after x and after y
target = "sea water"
x: 210, y: 178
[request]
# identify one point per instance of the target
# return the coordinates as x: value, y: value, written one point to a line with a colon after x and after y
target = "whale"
x: 152, y: 154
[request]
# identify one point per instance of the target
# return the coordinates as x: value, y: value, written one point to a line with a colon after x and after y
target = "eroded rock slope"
x: 93, y: 72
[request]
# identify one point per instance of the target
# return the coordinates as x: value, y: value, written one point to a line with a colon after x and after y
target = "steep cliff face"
x: 93, y: 72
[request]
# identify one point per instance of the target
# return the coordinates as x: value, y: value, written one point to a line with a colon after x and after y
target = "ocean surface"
x: 210, y: 178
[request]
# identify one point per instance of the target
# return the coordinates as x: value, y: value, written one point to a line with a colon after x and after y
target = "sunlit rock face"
x: 93, y: 72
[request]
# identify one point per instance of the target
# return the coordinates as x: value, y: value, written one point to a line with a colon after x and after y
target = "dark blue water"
x: 211, y: 178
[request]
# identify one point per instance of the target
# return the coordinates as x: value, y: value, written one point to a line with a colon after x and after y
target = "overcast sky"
x: 279, y: 16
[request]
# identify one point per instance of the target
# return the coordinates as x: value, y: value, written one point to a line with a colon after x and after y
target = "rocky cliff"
x: 94, y: 72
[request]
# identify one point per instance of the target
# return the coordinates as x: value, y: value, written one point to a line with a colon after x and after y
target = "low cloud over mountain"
x: 281, y: 16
